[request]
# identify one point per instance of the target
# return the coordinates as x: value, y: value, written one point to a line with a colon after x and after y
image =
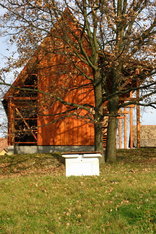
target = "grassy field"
x: 36, y: 197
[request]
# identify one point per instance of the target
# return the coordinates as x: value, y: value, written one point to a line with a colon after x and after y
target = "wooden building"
x: 37, y: 120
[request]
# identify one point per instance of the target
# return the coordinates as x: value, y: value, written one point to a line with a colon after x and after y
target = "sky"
x: 148, y: 116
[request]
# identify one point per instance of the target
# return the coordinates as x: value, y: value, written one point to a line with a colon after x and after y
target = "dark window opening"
x: 26, y: 122
x: 25, y: 138
x: 28, y: 88
x: 31, y: 80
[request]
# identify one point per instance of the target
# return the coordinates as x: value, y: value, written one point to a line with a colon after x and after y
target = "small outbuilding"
x: 3, y: 146
x: 147, y: 136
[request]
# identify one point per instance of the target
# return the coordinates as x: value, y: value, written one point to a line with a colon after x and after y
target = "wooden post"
x: 131, y: 127
x: 125, y: 129
x: 10, y: 122
x: 131, y: 123
x: 120, y: 133
x: 138, y: 118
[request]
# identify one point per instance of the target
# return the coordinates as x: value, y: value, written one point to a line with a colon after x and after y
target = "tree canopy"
x: 116, y: 41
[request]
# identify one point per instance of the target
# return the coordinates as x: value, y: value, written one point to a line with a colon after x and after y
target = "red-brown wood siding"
x: 68, y: 129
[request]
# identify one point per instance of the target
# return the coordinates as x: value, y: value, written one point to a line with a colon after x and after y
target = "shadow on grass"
x: 25, y: 162
x: 52, y: 163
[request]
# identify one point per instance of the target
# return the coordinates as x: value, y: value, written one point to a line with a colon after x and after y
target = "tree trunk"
x: 98, y: 117
x: 99, y: 139
x: 111, y: 131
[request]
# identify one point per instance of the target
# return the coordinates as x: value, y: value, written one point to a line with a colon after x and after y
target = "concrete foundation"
x: 19, y: 149
x: 10, y: 150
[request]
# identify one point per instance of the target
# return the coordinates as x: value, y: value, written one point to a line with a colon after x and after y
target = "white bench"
x: 82, y: 164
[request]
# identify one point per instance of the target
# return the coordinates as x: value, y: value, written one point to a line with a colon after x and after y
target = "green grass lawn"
x: 36, y: 197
